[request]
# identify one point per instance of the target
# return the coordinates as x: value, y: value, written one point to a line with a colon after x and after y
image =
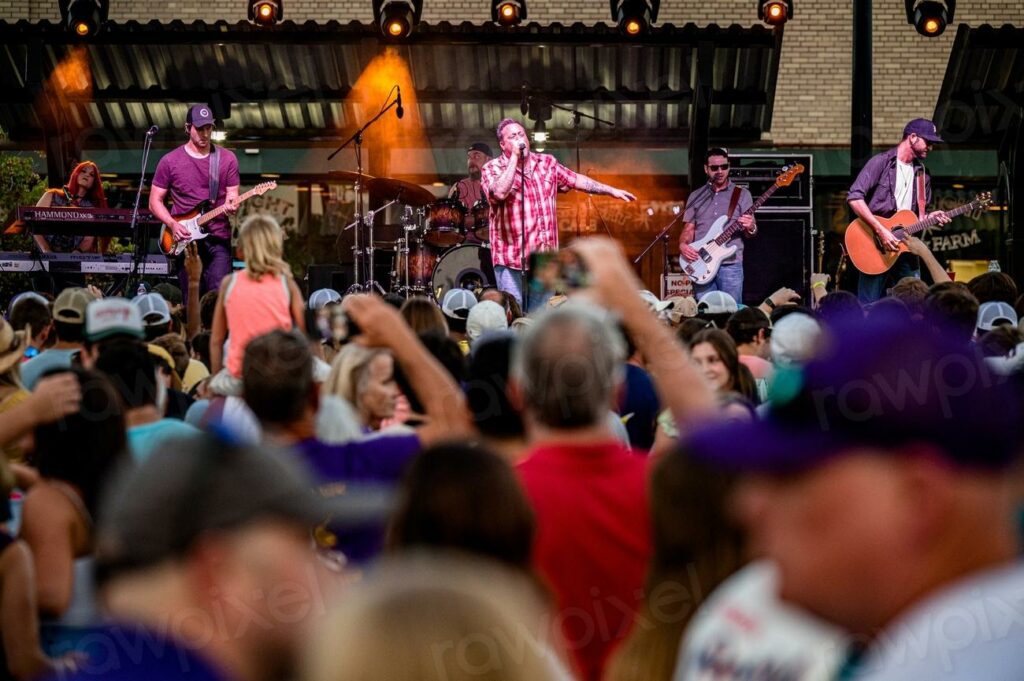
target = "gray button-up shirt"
x: 705, y: 205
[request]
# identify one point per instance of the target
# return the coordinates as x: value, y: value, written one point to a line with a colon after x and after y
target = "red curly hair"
x: 96, y: 195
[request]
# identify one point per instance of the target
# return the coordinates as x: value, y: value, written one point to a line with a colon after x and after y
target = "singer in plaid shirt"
x: 505, y: 191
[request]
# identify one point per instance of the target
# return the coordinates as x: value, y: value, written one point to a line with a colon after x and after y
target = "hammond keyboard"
x: 81, y: 263
x: 66, y: 220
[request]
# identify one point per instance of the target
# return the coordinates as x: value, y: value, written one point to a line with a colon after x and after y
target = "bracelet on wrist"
x: 818, y: 284
x: 769, y: 303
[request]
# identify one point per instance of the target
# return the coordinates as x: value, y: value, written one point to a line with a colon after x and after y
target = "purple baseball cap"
x: 877, y: 383
x: 200, y: 115
x: 924, y: 128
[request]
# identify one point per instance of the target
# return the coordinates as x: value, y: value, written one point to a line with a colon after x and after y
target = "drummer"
x: 468, y: 191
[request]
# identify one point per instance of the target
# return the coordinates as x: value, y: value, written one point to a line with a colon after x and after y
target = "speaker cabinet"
x: 780, y: 255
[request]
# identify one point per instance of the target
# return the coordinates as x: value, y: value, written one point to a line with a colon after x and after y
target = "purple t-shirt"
x: 187, y: 180
x: 376, y: 459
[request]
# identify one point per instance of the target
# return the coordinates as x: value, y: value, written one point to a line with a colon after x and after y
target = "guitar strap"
x: 214, y: 175
x: 734, y: 201
x: 920, y: 193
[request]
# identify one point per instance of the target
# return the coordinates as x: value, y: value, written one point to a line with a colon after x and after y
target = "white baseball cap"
x: 110, y: 317
x: 716, y: 302
x: 995, y: 313
x: 458, y: 302
x: 485, y: 316
x: 321, y: 297
x: 153, y: 309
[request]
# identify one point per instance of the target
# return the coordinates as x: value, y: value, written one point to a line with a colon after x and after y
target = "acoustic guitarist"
x: 706, y: 205
x: 184, y: 174
x: 889, y: 182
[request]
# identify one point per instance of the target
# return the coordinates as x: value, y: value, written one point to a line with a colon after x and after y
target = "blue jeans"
x: 873, y: 287
x: 729, y: 279
x: 216, y: 256
x: 510, y: 281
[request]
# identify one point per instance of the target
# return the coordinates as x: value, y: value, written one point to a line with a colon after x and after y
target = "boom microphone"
x: 154, y: 129
x: 399, y: 111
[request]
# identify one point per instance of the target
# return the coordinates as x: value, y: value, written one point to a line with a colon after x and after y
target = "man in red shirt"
x: 520, y: 187
x: 588, y: 490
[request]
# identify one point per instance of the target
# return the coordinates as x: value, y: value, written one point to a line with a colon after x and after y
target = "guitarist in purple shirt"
x: 888, y: 183
x: 183, y: 175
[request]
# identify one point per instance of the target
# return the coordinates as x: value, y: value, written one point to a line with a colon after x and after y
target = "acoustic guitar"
x: 870, y: 256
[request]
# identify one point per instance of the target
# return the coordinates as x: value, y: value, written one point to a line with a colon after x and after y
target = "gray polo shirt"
x: 706, y: 205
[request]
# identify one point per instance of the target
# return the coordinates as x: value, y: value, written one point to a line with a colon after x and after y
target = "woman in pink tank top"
x: 260, y: 299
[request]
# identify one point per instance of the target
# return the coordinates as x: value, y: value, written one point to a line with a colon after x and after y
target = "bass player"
x: 185, y: 175
x: 890, y: 182
x: 707, y: 204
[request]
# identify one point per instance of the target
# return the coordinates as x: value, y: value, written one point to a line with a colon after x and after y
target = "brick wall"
x: 812, y: 102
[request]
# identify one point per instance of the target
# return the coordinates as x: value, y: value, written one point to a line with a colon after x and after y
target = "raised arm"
x: 680, y: 386
x: 921, y: 250
x: 442, y: 399
x: 499, y: 185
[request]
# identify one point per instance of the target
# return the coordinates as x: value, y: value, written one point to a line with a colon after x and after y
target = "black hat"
x: 482, y: 147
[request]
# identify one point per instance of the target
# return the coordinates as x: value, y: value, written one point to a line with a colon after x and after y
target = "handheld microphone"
x: 524, y: 101
x: 522, y: 146
x: 153, y: 129
x: 399, y: 111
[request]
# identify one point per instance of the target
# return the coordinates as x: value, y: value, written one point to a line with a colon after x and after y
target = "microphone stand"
x: 357, y: 137
x: 522, y: 236
x: 576, y: 116
x: 139, y: 242
x: 662, y: 237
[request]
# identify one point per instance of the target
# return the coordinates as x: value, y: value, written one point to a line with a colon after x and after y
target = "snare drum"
x: 481, y: 220
x: 467, y: 267
x: 445, y: 223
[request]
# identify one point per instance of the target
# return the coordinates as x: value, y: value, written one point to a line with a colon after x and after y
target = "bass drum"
x: 466, y: 267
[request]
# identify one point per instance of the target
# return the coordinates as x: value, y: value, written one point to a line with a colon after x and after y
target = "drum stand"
x: 356, y: 251
x: 368, y: 221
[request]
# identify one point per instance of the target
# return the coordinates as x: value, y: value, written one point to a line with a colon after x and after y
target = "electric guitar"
x: 713, y: 249
x: 195, y: 219
x: 870, y: 256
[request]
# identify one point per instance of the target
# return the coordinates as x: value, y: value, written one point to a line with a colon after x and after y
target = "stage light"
x: 540, y: 132
x: 634, y: 17
x: 930, y: 17
x: 266, y: 12
x: 397, y: 18
x: 775, y: 12
x: 508, y: 12
x: 218, y: 136
x: 83, y: 18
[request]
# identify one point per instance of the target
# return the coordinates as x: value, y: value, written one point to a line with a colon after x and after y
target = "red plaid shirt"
x: 545, y: 177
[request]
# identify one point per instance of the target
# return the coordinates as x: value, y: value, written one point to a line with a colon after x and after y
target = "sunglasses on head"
x: 724, y: 166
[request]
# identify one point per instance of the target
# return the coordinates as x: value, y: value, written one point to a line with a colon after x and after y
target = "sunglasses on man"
x: 724, y: 166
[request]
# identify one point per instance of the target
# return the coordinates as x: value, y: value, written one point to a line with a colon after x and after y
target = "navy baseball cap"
x: 200, y: 115
x: 923, y: 128
x: 482, y: 147
x: 878, y: 383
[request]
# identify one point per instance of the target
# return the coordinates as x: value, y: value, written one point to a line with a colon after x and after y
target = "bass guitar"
x: 195, y: 220
x: 713, y: 249
x: 870, y: 256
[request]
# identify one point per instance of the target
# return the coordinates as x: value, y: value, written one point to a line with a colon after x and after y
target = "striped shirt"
x: 545, y: 177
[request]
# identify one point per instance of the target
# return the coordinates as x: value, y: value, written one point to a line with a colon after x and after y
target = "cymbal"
x: 349, y: 177
x: 406, y: 192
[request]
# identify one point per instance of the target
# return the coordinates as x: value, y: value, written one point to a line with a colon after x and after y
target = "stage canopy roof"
x: 292, y: 83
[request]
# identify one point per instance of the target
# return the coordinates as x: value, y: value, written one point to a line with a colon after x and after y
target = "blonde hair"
x: 262, y: 242
x: 349, y: 372
x: 437, y: 618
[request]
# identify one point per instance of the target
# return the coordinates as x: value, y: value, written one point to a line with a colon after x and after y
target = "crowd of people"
x: 256, y: 483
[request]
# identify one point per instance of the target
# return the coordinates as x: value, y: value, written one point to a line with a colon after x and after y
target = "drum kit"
x: 437, y: 250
